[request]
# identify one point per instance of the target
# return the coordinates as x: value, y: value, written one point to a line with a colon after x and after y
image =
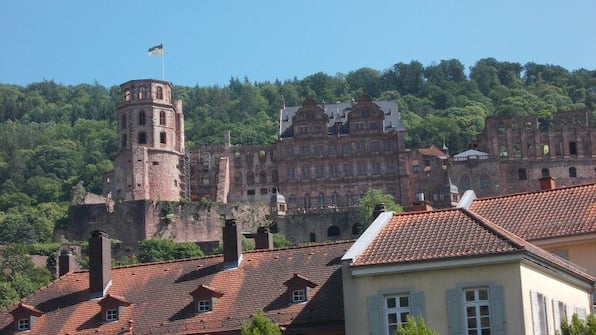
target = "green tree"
x: 260, y: 325
x: 579, y: 327
x: 370, y: 200
x: 155, y: 250
x: 415, y: 326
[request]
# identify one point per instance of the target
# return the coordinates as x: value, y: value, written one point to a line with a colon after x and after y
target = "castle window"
x: 321, y: 200
x: 162, y: 118
x: 142, y: 138
x: 142, y: 92
x: 360, y: 147
x: 307, y: 203
x: 312, y: 237
x: 572, y: 148
x: 124, y: 141
x: 374, y: 147
x: 123, y: 122
x: 333, y: 231
x: 521, y: 174
x: 250, y: 178
x: 306, y: 172
x: 263, y: 191
x: 159, y: 94
x: 347, y: 169
x: 291, y: 173
x: 162, y: 137
x: 545, y: 173
x: 319, y: 171
x: 274, y: 177
x: 238, y: 178
x: 127, y: 94
x: 572, y: 172
x: 250, y: 192
x: 361, y: 168
x: 347, y: 148
x: 335, y: 199
x: 263, y: 177
x: 142, y: 117
x: 464, y: 183
x: 376, y: 167
x: 484, y: 181
x: 545, y: 149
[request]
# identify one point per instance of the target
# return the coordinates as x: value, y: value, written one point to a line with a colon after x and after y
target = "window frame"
x: 24, y: 324
x: 111, y: 315
x: 401, y: 312
x: 477, y: 303
x: 298, y: 295
x: 204, y: 306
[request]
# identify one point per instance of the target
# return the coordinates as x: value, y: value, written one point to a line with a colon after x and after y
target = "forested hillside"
x: 56, y: 138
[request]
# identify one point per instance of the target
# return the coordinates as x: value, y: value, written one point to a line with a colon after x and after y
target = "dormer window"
x: 298, y: 296
x: 112, y: 307
x: 24, y: 317
x: 204, y: 306
x: 111, y: 315
x: 299, y: 288
x: 205, y: 298
x: 23, y: 324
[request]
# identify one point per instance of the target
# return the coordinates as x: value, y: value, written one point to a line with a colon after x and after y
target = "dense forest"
x: 55, y: 138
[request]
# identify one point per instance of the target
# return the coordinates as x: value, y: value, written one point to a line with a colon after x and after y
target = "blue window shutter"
x: 455, y: 311
x: 497, y: 308
x: 375, y: 315
x: 417, y: 304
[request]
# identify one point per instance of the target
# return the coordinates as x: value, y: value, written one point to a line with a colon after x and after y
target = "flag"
x: 156, y: 50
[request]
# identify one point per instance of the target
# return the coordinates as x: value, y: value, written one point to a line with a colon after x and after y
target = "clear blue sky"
x: 207, y: 42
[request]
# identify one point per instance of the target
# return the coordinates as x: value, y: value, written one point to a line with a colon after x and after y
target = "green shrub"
x: 415, y: 326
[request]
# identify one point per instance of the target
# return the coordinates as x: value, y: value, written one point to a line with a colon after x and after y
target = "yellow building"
x: 462, y: 273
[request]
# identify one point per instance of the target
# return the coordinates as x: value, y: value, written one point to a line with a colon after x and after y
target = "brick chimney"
x: 66, y: 262
x: 100, y: 264
x: 232, y: 245
x: 547, y: 183
x: 263, y: 239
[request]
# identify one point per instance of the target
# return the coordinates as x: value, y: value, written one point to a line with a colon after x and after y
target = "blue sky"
x: 207, y: 42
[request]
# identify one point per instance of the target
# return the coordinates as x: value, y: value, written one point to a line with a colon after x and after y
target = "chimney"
x: 100, y: 264
x: 232, y: 245
x: 547, y: 183
x: 379, y: 208
x: 66, y: 262
x: 263, y: 239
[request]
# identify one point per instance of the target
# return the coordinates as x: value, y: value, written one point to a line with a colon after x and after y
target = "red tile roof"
x: 545, y: 214
x: 446, y: 234
x: 432, y: 151
x: 160, y: 294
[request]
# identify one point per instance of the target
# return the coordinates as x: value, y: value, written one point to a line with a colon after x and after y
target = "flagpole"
x: 163, y: 63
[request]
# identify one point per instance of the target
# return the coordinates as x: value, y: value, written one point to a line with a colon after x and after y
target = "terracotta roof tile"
x: 432, y: 151
x: 544, y: 214
x: 160, y: 300
x: 450, y: 233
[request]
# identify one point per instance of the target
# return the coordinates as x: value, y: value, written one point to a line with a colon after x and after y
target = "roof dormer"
x: 298, y: 288
x: 112, y: 307
x: 25, y: 316
x: 204, y: 298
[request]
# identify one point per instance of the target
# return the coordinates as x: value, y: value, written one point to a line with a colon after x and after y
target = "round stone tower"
x: 151, y: 144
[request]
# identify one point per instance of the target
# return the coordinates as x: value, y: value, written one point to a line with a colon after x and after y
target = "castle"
x: 307, y: 184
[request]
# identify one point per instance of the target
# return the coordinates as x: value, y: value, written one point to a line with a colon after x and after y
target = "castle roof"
x: 159, y: 296
x: 338, y: 113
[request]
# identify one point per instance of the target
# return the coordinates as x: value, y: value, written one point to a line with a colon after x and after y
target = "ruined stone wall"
x: 317, y: 227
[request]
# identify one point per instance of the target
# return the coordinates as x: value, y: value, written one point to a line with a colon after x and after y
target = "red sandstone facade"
x: 513, y: 153
x: 151, y: 144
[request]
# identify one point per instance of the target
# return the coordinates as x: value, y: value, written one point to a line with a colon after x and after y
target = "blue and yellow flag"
x: 156, y: 50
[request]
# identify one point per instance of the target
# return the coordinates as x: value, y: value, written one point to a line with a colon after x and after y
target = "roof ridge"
x: 300, y: 246
x: 510, y: 237
x: 558, y: 189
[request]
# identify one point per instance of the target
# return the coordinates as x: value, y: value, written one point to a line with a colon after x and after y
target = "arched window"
x: 123, y: 122
x: 162, y: 137
x: 307, y: 203
x: 159, y: 94
x: 142, y: 117
x: 142, y: 92
x: 333, y: 231
x: 357, y: 228
x: 350, y: 199
x: 545, y: 173
x: 162, y: 118
x: 335, y: 199
x: 127, y: 94
x: 313, y: 237
x: 572, y: 172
